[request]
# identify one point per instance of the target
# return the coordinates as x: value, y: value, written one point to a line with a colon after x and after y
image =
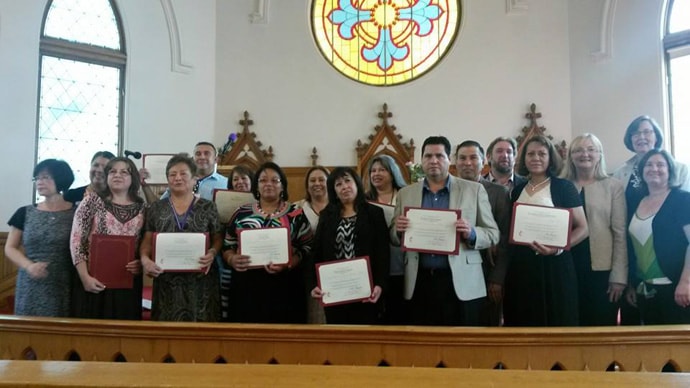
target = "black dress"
x: 542, y: 290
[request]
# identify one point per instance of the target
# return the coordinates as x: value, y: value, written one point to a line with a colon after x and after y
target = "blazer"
x: 371, y: 239
x: 669, y: 237
x: 466, y: 266
x: 607, y: 221
x: 501, y: 209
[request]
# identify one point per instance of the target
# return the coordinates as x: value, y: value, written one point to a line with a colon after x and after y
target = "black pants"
x: 661, y: 309
x: 435, y: 302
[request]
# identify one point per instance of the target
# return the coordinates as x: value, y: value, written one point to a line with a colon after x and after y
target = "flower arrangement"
x: 416, y: 172
x: 232, y: 138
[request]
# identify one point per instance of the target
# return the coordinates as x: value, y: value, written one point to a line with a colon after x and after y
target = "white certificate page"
x: 155, y: 164
x: 344, y: 281
x: 431, y: 231
x: 227, y: 201
x: 179, y: 251
x: 265, y: 246
x: 547, y: 225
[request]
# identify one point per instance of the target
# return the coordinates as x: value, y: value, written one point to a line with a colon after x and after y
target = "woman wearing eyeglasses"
x: 273, y: 293
x: 117, y: 210
x: 601, y: 261
x: 38, y: 244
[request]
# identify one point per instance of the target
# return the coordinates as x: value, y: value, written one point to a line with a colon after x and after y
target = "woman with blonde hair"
x: 601, y: 261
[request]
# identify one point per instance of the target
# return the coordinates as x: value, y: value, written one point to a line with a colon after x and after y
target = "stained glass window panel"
x: 387, y: 42
x: 85, y: 21
x: 78, y: 112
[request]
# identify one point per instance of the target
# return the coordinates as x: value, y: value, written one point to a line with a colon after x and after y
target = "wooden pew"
x: 647, y: 348
x: 104, y: 374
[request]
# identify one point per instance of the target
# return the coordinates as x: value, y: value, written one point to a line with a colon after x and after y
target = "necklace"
x: 536, y: 187
x: 181, y: 221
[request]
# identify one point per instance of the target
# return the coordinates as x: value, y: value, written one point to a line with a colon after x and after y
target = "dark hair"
x: 490, y: 148
x: 471, y: 143
x: 205, y: 143
x: 281, y: 174
x: 388, y: 163
x: 433, y: 140
x: 306, y: 179
x: 181, y: 158
x: 133, y: 191
x: 338, y: 173
x: 102, y: 154
x: 555, y: 161
x: 644, y: 189
x: 633, y: 127
x: 59, y: 170
x: 239, y: 170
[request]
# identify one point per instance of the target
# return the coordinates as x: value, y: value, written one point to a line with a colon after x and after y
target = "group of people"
x: 628, y: 243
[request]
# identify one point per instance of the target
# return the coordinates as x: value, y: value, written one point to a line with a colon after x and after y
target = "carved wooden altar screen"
x: 246, y: 151
x: 535, y: 129
x: 385, y: 142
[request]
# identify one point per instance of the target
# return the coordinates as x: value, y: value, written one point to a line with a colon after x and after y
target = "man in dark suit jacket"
x: 501, y: 156
x: 469, y: 160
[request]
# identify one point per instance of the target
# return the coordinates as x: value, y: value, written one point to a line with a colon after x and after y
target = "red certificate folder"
x: 450, y: 215
x: 108, y: 257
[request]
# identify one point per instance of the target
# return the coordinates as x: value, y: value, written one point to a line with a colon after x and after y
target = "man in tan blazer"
x: 446, y: 289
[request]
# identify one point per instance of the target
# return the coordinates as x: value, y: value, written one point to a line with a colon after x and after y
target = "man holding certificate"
x: 443, y: 266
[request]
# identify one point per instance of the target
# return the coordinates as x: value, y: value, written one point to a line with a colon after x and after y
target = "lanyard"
x: 181, y: 222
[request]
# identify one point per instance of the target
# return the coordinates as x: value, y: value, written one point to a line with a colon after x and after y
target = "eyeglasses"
x: 42, y: 178
x: 274, y: 181
x: 644, y: 132
x: 589, y: 150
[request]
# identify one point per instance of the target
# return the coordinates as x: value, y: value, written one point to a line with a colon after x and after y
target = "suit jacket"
x: 501, y: 209
x: 606, y: 219
x: 466, y: 266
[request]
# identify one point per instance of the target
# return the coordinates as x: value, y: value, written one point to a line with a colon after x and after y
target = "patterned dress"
x: 96, y: 216
x: 255, y: 295
x: 185, y: 296
x: 45, y: 238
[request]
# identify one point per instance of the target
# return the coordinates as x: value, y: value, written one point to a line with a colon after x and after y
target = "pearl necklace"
x: 536, y: 187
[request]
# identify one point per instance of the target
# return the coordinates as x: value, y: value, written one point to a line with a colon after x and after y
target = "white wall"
x: 608, y: 94
x: 500, y: 63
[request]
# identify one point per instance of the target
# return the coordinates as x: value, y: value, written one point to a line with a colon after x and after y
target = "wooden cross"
x: 246, y: 122
x: 385, y: 115
x: 533, y: 115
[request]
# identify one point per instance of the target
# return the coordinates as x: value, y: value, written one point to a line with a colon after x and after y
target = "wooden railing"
x: 647, y: 348
x: 103, y: 374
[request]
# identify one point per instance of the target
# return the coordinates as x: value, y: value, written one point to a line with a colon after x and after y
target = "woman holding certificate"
x: 385, y: 179
x: 541, y: 284
x: 265, y: 243
x: 601, y: 260
x: 186, y: 280
x: 659, y: 252
x: 117, y: 211
x: 351, y: 228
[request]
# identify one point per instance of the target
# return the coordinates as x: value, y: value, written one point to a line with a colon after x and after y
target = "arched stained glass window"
x: 82, y: 63
x: 677, y: 50
x: 384, y: 42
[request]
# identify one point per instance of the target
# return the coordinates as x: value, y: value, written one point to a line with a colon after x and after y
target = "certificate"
x: 547, y: 225
x: 388, y: 211
x: 179, y: 252
x: 227, y: 201
x: 431, y: 231
x: 265, y: 246
x: 108, y: 257
x: 344, y: 281
x: 155, y: 164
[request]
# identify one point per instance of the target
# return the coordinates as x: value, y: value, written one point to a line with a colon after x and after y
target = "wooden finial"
x: 246, y: 122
